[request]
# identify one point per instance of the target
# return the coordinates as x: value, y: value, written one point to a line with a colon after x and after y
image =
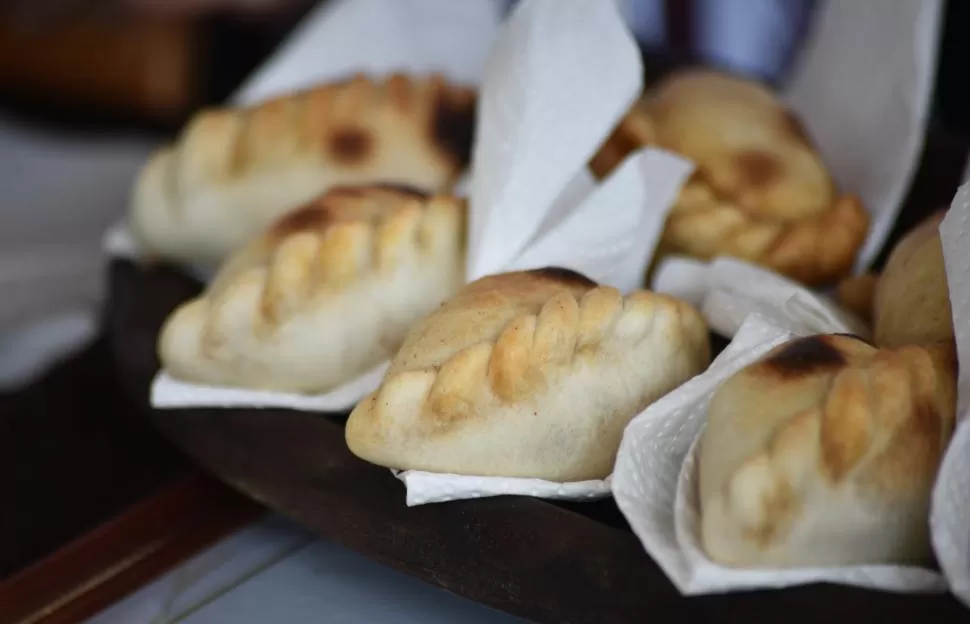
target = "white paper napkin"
x: 379, y: 37
x: 727, y: 290
x: 654, y: 485
x: 170, y: 393
x: 950, y: 516
x: 862, y: 86
x: 546, y: 106
x: 594, y: 238
x: 533, y: 149
x: 434, y: 487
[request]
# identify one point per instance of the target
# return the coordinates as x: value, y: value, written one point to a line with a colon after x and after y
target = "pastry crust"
x: 912, y: 299
x: 857, y: 295
x: 233, y: 171
x: 760, y: 191
x: 326, y: 294
x: 824, y: 453
x: 528, y: 374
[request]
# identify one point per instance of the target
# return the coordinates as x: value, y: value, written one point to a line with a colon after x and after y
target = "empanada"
x: 824, y: 453
x: 234, y: 170
x: 528, y: 374
x: 327, y: 293
x: 912, y: 300
x: 857, y: 294
x: 760, y: 191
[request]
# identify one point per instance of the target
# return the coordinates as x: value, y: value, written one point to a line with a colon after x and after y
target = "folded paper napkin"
x: 168, y: 393
x: 432, y: 487
x: 950, y: 515
x: 727, y: 290
x: 654, y: 483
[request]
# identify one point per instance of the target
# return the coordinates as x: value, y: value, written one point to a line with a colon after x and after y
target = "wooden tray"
x: 539, y: 560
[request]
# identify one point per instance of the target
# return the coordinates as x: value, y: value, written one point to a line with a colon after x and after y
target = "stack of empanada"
x: 233, y: 171
x: 760, y: 191
x: 528, y: 374
x: 825, y: 453
x: 328, y: 292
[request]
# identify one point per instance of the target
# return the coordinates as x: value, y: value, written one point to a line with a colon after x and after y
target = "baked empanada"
x: 857, y: 294
x: 234, y: 170
x: 528, y: 374
x: 912, y: 299
x: 760, y: 191
x: 326, y: 294
x: 824, y: 453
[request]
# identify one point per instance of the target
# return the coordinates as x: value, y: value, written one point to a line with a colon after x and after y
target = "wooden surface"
x: 96, y: 501
x: 542, y: 561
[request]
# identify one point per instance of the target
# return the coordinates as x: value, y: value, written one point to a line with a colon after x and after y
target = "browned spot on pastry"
x: 564, y: 276
x: 453, y: 125
x: 805, y: 356
x: 846, y: 425
x: 351, y: 146
x: 778, y: 506
x: 912, y: 456
x: 795, y: 129
x: 758, y: 168
x: 310, y: 217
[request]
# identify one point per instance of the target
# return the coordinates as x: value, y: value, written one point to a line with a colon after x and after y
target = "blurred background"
x: 89, y: 87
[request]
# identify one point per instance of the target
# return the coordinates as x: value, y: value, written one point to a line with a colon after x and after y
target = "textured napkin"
x: 544, y: 110
x: 950, y: 516
x: 728, y: 290
x: 654, y: 483
x: 378, y: 37
x: 434, y: 487
x: 862, y: 86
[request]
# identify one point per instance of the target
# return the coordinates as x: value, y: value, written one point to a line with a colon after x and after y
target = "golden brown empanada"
x: 235, y: 170
x: 327, y: 293
x: 824, y: 453
x: 759, y: 192
x: 912, y: 299
x: 528, y: 374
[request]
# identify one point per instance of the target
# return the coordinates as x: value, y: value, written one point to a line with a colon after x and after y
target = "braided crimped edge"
x: 528, y: 354
x: 846, y: 443
x: 815, y: 250
x: 228, y: 143
x: 295, y: 261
